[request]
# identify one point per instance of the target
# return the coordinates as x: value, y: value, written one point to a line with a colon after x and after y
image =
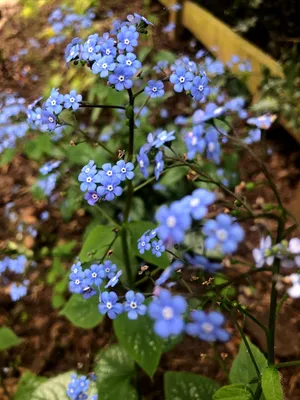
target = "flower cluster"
x: 65, y: 17
x: 149, y: 241
x: 109, y: 179
x: 78, y: 388
x: 12, y: 110
x: 17, y: 266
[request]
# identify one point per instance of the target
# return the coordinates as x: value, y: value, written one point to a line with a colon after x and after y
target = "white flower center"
x: 211, y: 146
x: 221, y: 234
x: 53, y: 102
x: 123, y: 170
x: 158, y: 165
x: 109, y: 172
x: 207, y: 327
x: 200, y: 88
x: 194, y: 202
x: 90, y: 49
x: 171, y: 221
x: 107, y: 51
x: 107, y: 270
x: 38, y: 116
x: 194, y: 141
x: 87, y: 170
x: 143, y: 244
x: 110, y: 188
x: 126, y: 41
x: 109, y: 305
x: 94, y: 275
x: 75, y: 271
x: 77, y: 281
x: 50, y: 119
x: 72, y: 99
x: 141, y: 163
x: 121, y: 78
x: 154, y: 89
x: 129, y: 62
x: 104, y: 65
x: 133, y: 305
x: 167, y: 313
x: 94, y: 196
x: 181, y: 79
x: 89, y: 179
x: 157, y: 247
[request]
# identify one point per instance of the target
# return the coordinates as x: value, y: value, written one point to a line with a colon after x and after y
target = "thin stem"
x: 287, y: 364
x: 126, y: 255
x: 281, y: 303
x: 92, y: 140
x: 88, y: 105
x: 142, y: 106
x: 109, y: 247
x: 147, y: 277
x: 108, y: 217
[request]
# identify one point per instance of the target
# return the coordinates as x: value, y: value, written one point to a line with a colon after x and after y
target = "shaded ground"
x: 52, y: 345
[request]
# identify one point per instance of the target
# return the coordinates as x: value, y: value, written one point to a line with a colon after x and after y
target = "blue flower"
x: 207, y: 326
x: 198, y: 261
x: 92, y: 275
x: 154, y: 89
x: 91, y: 197
x: 167, y: 273
x: 49, y: 119
x: 108, y: 304
x: 133, y: 305
x: 76, y: 283
x: 144, y: 162
x: 169, y: 28
x: 72, y: 100
x: 17, y: 265
x: 127, y: 38
x: 104, y: 65
x: 159, y: 164
x: 89, y: 177
x: 129, y: 61
x: 49, y: 166
x: 213, y: 150
x: 167, y: 311
x: 144, y: 243
x: 76, y: 268
x: 54, y: 102
x: 78, y: 387
x: 223, y: 232
x: 198, y: 201
x: 114, y: 280
x: 160, y: 66
x: 173, y: 222
x: 90, y: 49
x: 200, y: 88
x: 18, y: 291
x: 195, y: 142
x: 110, y: 188
x: 139, y: 18
x: 163, y: 137
x: 108, y: 270
x: 120, y: 78
x: 123, y: 170
x: 157, y: 248
x: 254, y: 135
x: 182, y: 79
x: 262, y: 255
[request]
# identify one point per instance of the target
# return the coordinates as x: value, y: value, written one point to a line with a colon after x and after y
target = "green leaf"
x: 81, y: 312
x: 137, y: 229
x: 96, y: 243
x: 114, y: 370
x: 271, y: 385
x: 56, y: 388
x: 38, y: 147
x: 232, y: 392
x: 64, y: 249
x: 8, y: 338
x: 6, y: 156
x: 139, y: 340
x: 67, y: 117
x: 243, y: 370
x: 27, y: 385
x: 188, y: 386
x: 165, y: 55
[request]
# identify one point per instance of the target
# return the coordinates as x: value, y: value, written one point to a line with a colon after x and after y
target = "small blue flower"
x: 154, y: 89
x: 167, y: 311
x: 144, y: 243
x: 108, y: 304
x: 127, y: 38
x: 129, y: 61
x: 120, y: 78
x: 223, y: 232
x: 90, y: 49
x: 76, y: 282
x: 49, y: 166
x: 163, y: 137
x: 18, y: 291
x: 17, y: 265
x: 160, y: 66
x: 72, y: 100
x: 198, y: 202
x: 198, y: 261
x: 213, y: 149
x: 159, y: 164
x: 110, y: 188
x: 48, y: 119
x: 182, y: 79
x: 103, y: 65
x: 54, y: 102
x: 114, y: 280
x: 195, y: 142
x: 138, y: 18
x: 89, y: 177
x: 207, y: 326
x: 199, y: 88
x: 123, y: 170
x: 254, y: 136
x: 169, y: 28
x: 143, y: 162
x: 78, y: 387
x: 91, y: 197
x: 157, y: 248
x: 108, y: 270
x: 133, y: 305
x: 173, y: 222
x: 92, y: 275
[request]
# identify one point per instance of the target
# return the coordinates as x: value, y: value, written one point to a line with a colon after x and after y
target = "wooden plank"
x: 224, y: 43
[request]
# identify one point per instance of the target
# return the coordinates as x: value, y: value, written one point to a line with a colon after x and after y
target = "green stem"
x: 287, y: 364
x: 108, y: 217
x: 88, y: 105
x: 126, y: 255
x: 281, y: 303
